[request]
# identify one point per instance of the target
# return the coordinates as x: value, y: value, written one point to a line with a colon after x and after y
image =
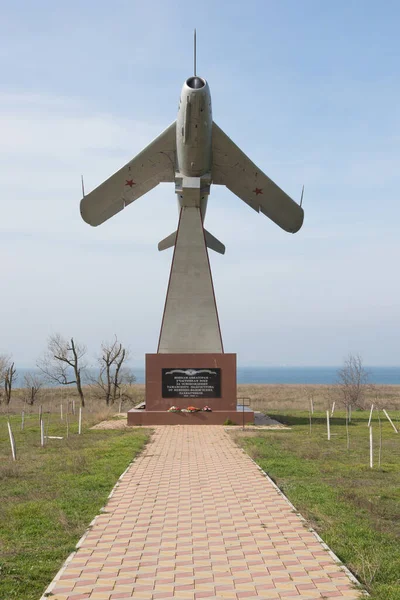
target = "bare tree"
x: 353, y: 381
x: 128, y: 377
x: 353, y: 384
x: 3, y: 363
x: 33, y: 385
x: 8, y: 375
x: 63, y: 362
x: 111, y: 375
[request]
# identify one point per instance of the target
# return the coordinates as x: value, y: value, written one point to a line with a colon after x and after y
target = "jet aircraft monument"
x: 190, y: 365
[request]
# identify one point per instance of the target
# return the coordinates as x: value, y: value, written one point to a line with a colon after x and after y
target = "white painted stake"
x: 22, y: 420
x: 12, y: 442
x: 40, y: 413
x: 350, y: 413
x: 390, y: 421
x: 333, y: 409
x: 371, y: 453
x: 312, y: 405
x: 370, y: 415
x: 328, y: 425
x: 80, y: 421
x: 61, y: 412
x: 73, y: 407
x: 41, y: 432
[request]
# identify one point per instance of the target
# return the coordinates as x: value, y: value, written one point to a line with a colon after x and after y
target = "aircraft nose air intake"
x: 196, y: 83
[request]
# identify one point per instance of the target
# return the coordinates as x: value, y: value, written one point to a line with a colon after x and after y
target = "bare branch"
x: 4, y: 360
x: 127, y: 376
x: 62, y: 363
x: 8, y: 375
x: 353, y: 382
x: 111, y: 358
x: 33, y: 385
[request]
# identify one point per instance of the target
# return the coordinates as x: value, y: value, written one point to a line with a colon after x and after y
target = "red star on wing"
x: 129, y: 182
x: 257, y: 191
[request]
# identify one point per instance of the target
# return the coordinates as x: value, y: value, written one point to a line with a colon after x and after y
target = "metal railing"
x: 244, y: 402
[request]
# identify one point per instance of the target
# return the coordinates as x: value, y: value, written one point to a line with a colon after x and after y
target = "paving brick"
x: 194, y: 518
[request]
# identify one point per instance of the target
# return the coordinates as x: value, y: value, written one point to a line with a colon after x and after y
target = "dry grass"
x: 51, y: 400
x: 264, y: 397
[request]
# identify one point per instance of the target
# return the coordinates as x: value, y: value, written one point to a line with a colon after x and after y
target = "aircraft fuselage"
x: 194, y: 144
x: 194, y: 129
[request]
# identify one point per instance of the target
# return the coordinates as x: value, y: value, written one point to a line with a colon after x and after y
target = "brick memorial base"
x: 185, y: 380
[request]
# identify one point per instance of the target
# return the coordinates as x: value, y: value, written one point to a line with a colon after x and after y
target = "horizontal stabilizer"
x: 211, y: 242
x: 167, y: 242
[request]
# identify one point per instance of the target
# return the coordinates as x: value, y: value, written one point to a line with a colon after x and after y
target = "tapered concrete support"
x: 190, y: 322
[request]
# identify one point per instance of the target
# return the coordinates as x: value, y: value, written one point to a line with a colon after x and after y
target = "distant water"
x: 300, y: 375
x: 312, y: 375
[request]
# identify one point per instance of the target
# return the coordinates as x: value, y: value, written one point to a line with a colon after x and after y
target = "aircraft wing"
x: 156, y: 163
x: 231, y: 167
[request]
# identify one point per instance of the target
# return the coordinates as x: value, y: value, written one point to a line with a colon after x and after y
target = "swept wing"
x: 232, y: 168
x: 156, y: 163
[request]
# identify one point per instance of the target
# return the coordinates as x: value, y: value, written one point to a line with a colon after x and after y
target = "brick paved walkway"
x: 192, y: 518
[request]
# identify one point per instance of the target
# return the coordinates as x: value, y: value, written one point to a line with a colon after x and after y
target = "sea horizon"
x: 311, y: 375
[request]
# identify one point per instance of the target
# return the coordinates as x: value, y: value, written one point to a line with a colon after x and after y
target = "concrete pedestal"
x: 190, y: 321
x: 185, y: 380
x: 218, y: 417
x: 190, y: 368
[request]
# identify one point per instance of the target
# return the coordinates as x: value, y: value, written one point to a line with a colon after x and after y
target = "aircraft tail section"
x: 211, y: 242
x: 167, y: 242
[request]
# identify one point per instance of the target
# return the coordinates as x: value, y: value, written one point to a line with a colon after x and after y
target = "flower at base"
x: 207, y: 409
x: 193, y: 409
x: 174, y: 409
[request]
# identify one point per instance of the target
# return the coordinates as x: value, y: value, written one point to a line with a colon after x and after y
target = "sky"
x: 308, y: 89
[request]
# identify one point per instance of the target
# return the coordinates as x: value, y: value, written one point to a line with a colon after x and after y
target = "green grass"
x: 355, y: 509
x: 49, y: 496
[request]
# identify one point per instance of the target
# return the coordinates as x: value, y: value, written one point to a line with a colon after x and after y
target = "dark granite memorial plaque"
x: 191, y: 383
